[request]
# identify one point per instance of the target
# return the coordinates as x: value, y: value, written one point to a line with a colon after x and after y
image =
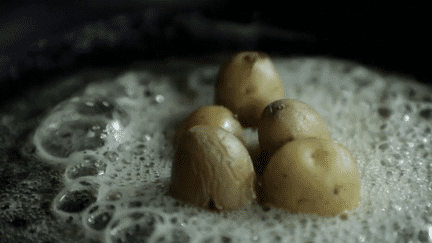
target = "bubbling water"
x: 117, y: 150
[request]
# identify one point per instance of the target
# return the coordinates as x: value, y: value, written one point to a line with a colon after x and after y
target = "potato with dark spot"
x: 286, y: 120
x: 212, y: 169
x: 246, y: 84
x: 313, y: 176
x: 211, y: 115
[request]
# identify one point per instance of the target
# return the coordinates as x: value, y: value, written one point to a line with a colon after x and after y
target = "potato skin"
x: 212, y: 165
x: 211, y: 115
x: 286, y: 120
x: 246, y: 84
x: 313, y: 176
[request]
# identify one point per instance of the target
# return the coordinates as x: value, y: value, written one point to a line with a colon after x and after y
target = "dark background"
x: 391, y: 37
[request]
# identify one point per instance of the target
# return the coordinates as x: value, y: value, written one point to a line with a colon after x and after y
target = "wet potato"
x: 313, y: 176
x: 211, y: 115
x: 212, y: 169
x: 246, y: 84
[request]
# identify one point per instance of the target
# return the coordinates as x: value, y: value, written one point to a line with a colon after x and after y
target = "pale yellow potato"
x: 212, y: 169
x: 286, y: 120
x: 313, y: 176
x: 246, y: 84
x: 212, y: 115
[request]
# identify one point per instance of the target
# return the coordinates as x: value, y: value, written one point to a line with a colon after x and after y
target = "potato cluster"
x: 299, y: 169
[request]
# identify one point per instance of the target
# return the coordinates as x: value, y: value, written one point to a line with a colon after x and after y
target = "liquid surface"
x: 112, y: 146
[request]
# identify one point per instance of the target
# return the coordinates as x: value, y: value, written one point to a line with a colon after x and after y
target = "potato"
x: 212, y: 169
x: 313, y: 176
x: 212, y: 115
x: 286, y: 120
x: 246, y: 84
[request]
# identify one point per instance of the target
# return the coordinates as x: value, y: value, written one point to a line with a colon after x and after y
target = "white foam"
x: 387, y: 130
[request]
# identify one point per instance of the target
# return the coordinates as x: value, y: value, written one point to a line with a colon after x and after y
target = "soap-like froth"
x: 386, y: 128
x: 78, y: 124
x: 88, y: 165
x: 98, y: 216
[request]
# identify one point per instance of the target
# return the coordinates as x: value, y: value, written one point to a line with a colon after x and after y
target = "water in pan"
x: 114, y: 141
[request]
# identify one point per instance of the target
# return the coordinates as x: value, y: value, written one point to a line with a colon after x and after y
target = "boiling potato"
x: 212, y: 169
x: 246, y: 84
x: 212, y: 115
x: 286, y: 120
x: 313, y: 176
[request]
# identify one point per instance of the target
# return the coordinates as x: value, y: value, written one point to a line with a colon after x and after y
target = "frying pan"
x: 42, y: 42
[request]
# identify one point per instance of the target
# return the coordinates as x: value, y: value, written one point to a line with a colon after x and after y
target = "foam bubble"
x: 98, y: 216
x: 87, y: 165
x: 134, y: 226
x: 78, y: 124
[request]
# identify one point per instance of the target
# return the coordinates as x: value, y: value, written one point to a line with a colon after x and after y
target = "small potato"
x: 246, y: 84
x: 286, y: 120
x: 212, y: 169
x: 212, y: 115
x: 313, y: 176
